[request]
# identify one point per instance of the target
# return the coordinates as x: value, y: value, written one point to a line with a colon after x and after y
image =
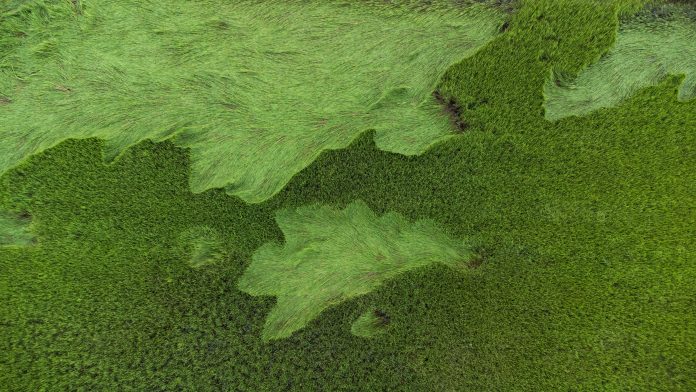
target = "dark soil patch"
x: 480, y: 257
x: 504, y: 27
x: 453, y: 110
x: 383, y: 319
x: 475, y: 262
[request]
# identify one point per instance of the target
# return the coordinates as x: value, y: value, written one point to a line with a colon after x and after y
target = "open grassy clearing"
x: 585, y: 227
x: 331, y: 256
x: 255, y: 90
x: 657, y: 42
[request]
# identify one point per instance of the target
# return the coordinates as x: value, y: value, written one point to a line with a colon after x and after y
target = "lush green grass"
x: 330, y: 256
x: 254, y: 89
x: 657, y: 42
x: 585, y: 225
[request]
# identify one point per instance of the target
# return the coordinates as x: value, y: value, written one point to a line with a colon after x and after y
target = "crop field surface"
x: 255, y: 90
x: 331, y: 256
x: 649, y: 46
x: 406, y: 195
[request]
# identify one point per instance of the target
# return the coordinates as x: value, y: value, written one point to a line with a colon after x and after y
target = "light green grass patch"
x: 14, y: 230
x: 256, y: 89
x: 203, y: 246
x: 370, y: 324
x: 330, y: 256
x: 657, y: 42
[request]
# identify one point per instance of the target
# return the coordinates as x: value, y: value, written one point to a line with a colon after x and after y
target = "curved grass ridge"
x: 255, y: 89
x: 330, y: 256
x: 657, y: 42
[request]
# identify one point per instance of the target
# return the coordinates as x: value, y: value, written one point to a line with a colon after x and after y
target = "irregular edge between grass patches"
x: 502, y: 7
x: 630, y: 14
x: 372, y: 323
x: 381, y: 261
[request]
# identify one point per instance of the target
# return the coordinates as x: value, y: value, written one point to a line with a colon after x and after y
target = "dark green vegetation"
x: 586, y: 227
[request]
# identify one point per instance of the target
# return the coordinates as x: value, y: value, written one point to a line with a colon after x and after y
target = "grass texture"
x: 370, y: 324
x: 585, y: 229
x: 255, y: 90
x: 653, y: 44
x: 14, y: 230
x: 331, y: 256
x: 204, y: 246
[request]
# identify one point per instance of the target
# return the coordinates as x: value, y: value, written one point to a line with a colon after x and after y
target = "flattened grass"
x: 650, y: 46
x: 330, y: 256
x: 256, y: 90
x: 587, y: 224
x: 14, y: 230
x: 203, y: 246
x: 370, y: 324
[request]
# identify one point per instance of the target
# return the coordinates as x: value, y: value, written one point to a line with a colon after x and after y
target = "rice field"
x: 409, y: 195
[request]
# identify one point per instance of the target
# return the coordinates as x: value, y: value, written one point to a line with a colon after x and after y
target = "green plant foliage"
x: 331, y: 256
x: 585, y: 226
x: 370, y: 324
x: 657, y: 42
x: 256, y: 90
x: 203, y: 246
x: 14, y: 230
